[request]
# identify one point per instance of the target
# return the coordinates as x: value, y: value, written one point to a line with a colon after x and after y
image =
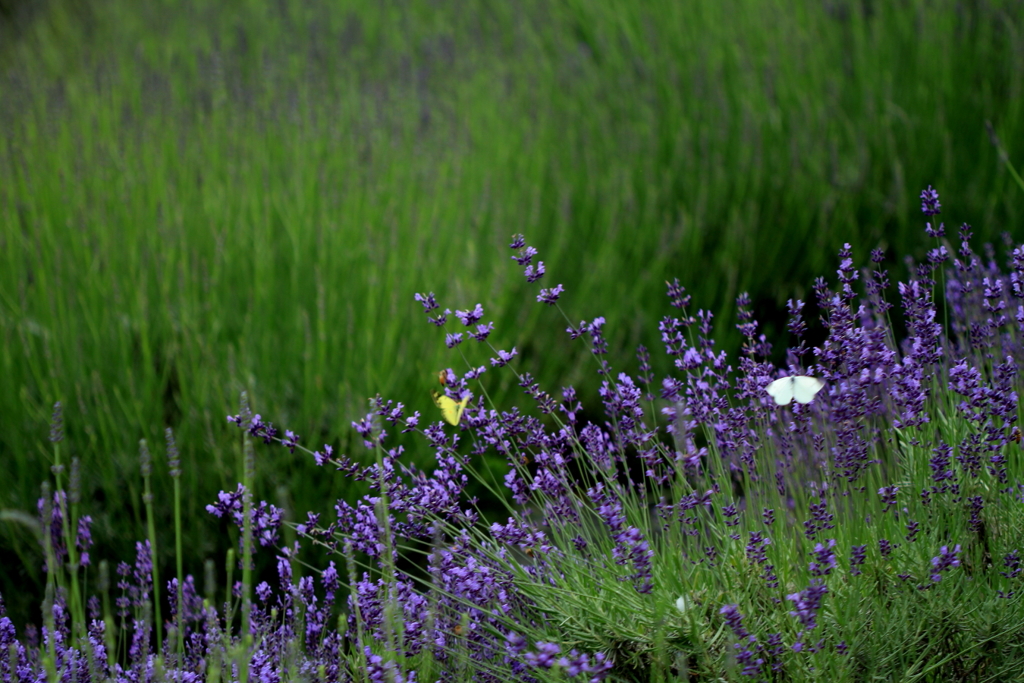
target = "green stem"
x: 248, y: 475
x: 178, y: 556
x: 1003, y: 156
x: 147, y: 499
x: 51, y: 562
x: 108, y: 616
x: 229, y: 598
x: 69, y: 517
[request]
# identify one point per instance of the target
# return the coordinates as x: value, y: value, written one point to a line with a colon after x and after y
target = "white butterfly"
x: 800, y: 387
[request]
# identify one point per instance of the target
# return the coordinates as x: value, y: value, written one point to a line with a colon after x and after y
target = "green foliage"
x: 197, y: 200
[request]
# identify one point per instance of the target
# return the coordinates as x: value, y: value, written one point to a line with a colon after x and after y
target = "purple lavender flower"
x: 938, y: 256
x: 290, y: 440
x: 808, y: 602
x: 945, y: 561
x: 379, y: 671
x: 846, y: 273
x: 677, y: 295
x: 930, y: 205
x: 734, y: 620
x: 428, y: 301
x: 888, y: 494
x: 504, y: 357
x: 731, y: 515
x: 255, y: 425
x: 471, y: 317
x: 83, y: 540
x: 266, y: 522
x: 858, y: 554
x: 824, y: 559
x: 574, y: 664
x: 322, y: 458
x: 975, y: 504
x: 747, y: 651
x: 266, y: 518
x: 526, y: 254
x: 600, y: 344
x: 821, y: 519
x: 747, y: 325
x: 545, y: 657
x: 550, y: 295
x: 774, y: 648
x: 969, y: 454
x: 55, y: 524
x: 482, y: 332
x: 516, y: 643
x: 630, y: 545
x: 748, y: 659
x: 570, y: 405
x: 599, y: 670
x: 757, y: 548
x: 940, y: 463
x: 227, y: 503
x: 534, y: 273
x: 1013, y: 564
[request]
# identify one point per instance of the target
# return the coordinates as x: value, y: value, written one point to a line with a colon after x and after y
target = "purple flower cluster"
x: 266, y: 519
x: 807, y: 603
x: 630, y: 545
x: 858, y: 554
x: 946, y: 560
x: 824, y: 559
x: 51, y: 515
x: 757, y: 548
x: 754, y: 657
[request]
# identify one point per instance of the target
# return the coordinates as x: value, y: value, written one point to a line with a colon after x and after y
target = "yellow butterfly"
x: 451, y: 409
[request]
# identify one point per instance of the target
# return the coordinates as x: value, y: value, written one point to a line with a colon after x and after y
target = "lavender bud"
x: 57, y: 423
x: 930, y: 205
x: 173, y: 458
x: 244, y: 411
x: 75, y: 486
x: 145, y: 461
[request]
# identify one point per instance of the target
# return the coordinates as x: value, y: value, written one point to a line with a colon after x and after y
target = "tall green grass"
x: 198, y: 199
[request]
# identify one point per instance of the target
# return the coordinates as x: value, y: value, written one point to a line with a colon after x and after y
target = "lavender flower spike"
x: 945, y: 561
x: 930, y: 205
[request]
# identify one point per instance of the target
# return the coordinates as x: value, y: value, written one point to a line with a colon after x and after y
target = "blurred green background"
x: 203, y: 197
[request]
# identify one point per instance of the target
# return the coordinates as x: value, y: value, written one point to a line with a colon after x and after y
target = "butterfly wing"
x: 804, y: 388
x: 781, y: 390
x: 460, y: 407
x: 799, y: 387
x: 451, y: 410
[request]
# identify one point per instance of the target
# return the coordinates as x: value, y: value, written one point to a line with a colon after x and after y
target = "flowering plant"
x: 701, y: 529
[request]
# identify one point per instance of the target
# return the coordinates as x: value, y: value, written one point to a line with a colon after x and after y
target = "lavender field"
x: 285, y: 393
x: 711, y: 527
